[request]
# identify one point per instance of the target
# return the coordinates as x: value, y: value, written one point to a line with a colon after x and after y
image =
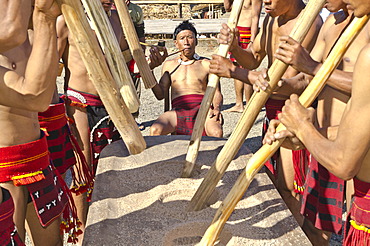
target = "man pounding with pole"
x: 92, y: 125
x: 282, y: 15
x: 347, y: 154
x: 321, y: 185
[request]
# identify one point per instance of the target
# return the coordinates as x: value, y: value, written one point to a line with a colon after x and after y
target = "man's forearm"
x: 245, y: 58
x: 40, y: 76
x: 325, y: 151
x: 240, y: 74
x: 217, y: 100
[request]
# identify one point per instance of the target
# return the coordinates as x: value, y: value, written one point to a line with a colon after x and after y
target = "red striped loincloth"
x: 322, y: 201
x: 29, y: 164
x: 24, y: 163
x: 186, y: 108
x: 358, y: 220
x: 8, y: 232
x: 300, y: 158
x: 273, y: 108
x: 244, y: 36
x: 54, y: 121
x: 63, y: 147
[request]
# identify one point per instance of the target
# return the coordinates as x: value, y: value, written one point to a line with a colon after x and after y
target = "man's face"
x: 107, y: 4
x: 186, y: 40
x: 276, y: 7
x: 334, y: 5
x: 359, y: 7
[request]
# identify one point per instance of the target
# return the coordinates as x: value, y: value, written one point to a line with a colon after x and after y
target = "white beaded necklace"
x: 195, y: 56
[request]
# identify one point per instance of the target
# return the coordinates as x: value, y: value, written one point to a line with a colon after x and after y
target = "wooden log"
x: 100, y: 75
x: 266, y: 151
x: 135, y: 47
x: 110, y: 46
x: 213, y: 81
x: 251, y: 112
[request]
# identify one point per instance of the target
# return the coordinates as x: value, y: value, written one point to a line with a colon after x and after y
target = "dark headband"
x: 185, y: 25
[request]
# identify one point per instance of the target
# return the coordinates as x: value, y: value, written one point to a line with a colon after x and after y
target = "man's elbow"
x: 37, y: 103
x: 346, y: 169
x: 346, y: 174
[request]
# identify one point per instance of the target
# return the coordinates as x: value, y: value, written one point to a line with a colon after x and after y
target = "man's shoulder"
x: 168, y: 64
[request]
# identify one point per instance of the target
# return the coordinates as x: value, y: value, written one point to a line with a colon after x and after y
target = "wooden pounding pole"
x: 100, y: 75
x: 213, y: 80
x: 135, y: 47
x: 109, y: 44
x: 266, y: 151
x: 251, y: 112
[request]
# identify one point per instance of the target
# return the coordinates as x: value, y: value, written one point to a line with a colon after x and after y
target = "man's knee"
x: 156, y: 130
x: 215, y: 132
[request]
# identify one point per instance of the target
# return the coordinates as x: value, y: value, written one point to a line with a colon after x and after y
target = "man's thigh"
x: 166, y: 122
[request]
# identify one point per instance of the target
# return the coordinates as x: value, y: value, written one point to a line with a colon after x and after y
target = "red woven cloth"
x: 54, y: 121
x: 24, y: 163
x: 322, y: 201
x: 300, y: 158
x: 29, y: 164
x: 273, y: 108
x: 64, y: 148
x: 244, y: 39
x: 187, y: 108
x: 359, y: 234
x: 8, y: 232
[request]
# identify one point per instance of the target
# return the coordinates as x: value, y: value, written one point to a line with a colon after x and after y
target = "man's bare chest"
x: 192, y: 73
x: 16, y: 59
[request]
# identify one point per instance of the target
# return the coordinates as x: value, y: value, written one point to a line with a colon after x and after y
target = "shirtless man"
x: 92, y: 125
x: 281, y: 18
x: 187, y: 75
x: 27, y: 84
x: 248, y: 28
x: 331, y: 104
x: 343, y: 150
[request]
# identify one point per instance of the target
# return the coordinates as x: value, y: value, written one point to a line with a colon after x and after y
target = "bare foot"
x: 236, y: 108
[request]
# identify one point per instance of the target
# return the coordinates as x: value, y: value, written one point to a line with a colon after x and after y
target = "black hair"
x: 185, y: 25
